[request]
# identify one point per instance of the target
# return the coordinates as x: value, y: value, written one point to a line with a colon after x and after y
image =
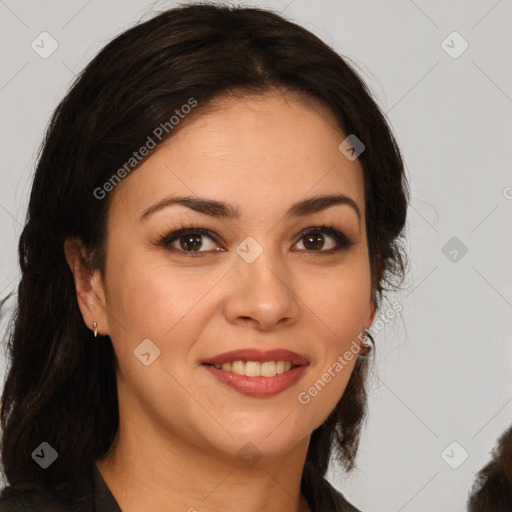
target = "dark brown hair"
x: 492, y: 490
x: 60, y: 387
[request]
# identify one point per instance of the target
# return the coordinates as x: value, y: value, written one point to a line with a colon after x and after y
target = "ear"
x: 372, y: 311
x: 89, y: 287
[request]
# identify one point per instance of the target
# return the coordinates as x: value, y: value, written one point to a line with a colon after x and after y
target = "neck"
x: 151, y: 470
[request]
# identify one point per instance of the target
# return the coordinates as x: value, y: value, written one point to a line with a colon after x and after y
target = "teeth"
x: 255, y: 368
x: 267, y: 369
x: 238, y: 367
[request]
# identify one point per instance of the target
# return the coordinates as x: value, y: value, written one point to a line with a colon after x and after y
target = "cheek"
x: 149, y: 299
x: 318, y: 397
x: 339, y: 299
x: 339, y: 306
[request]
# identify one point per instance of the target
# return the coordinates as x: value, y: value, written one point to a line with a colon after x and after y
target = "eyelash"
x: 343, y: 241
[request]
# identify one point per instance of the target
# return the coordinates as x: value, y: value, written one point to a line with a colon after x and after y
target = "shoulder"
x: 63, y: 497
x: 32, y: 500
x: 333, y: 500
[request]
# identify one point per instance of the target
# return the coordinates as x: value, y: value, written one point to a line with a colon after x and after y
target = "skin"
x: 180, y: 428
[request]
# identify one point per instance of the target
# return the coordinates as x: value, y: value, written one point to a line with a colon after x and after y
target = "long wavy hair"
x: 60, y: 387
x: 492, y: 490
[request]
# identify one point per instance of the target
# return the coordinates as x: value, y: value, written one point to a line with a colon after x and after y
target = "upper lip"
x: 254, y: 354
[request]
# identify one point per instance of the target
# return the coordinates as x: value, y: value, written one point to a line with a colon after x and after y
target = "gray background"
x: 444, y: 365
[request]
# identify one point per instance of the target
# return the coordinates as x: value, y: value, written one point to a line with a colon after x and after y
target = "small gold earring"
x: 364, y: 354
x: 95, y: 330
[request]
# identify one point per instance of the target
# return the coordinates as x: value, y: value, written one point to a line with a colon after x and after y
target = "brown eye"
x: 190, y: 241
x: 314, y: 240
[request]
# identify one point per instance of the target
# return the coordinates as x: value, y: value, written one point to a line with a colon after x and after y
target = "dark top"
x: 92, y: 495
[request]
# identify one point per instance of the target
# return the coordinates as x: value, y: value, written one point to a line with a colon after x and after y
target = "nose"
x: 262, y: 293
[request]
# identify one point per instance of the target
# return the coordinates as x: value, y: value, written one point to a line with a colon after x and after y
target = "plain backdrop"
x: 441, y: 70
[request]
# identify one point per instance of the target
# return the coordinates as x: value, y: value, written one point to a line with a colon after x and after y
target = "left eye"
x: 188, y: 239
x: 313, y: 240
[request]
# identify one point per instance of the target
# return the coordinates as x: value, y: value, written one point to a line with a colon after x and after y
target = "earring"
x: 95, y: 330
x: 368, y: 346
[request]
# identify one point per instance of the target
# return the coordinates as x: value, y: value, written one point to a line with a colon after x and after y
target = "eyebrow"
x: 220, y: 209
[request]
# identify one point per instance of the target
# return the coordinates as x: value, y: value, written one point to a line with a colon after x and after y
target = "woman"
x: 215, y: 216
x: 492, y: 491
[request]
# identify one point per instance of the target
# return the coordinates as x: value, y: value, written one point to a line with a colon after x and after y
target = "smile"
x: 256, y: 368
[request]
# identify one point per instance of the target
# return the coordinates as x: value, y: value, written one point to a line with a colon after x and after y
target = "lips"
x: 258, y: 387
x: 258, y: 355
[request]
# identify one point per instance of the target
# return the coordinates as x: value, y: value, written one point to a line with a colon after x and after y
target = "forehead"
x: 261, y: 152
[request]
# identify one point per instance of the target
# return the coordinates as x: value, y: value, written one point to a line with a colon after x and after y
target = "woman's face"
x: 252, y: 281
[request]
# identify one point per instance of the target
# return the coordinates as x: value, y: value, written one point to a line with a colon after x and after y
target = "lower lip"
x: 258, y: 386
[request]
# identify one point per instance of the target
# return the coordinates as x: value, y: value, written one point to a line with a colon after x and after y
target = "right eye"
x: 189, y: 241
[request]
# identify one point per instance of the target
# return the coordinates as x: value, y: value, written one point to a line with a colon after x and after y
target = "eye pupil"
x: 193, y: 240
x: 313, y: 241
